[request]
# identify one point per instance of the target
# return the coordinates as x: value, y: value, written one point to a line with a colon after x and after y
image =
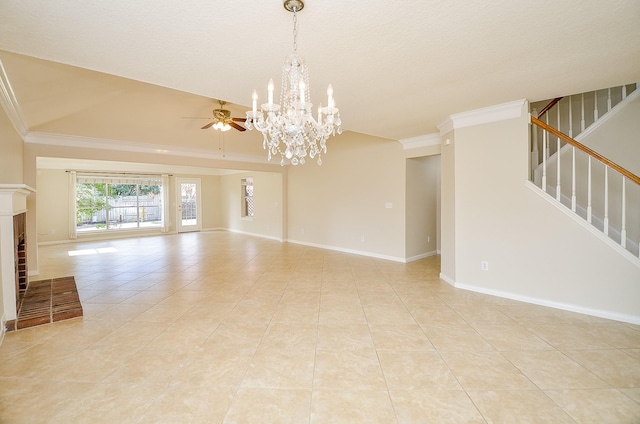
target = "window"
x: 246, y: 210
x: 106, y: 203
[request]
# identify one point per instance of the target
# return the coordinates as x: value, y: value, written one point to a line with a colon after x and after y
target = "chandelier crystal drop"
x: 289, y: 128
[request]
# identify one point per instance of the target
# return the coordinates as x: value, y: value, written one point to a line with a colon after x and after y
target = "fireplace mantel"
x: 13, y: 201
x: 13, y: 198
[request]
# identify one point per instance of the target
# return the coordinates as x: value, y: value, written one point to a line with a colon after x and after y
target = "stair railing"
x: 609, y: 167
x: 573, y: 114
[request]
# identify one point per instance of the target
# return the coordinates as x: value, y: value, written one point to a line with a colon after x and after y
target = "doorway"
x: 189, y: 214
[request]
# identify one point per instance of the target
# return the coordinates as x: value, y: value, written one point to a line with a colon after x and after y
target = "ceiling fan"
x: 223, y: 121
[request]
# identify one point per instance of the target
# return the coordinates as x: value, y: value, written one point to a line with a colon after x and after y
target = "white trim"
x: 80, y: 142
x: 445, y: 126
x: 280, y: 239
x: 422, y: 256
x: 33, y: 272
x: 48, y: 162
x: 485, y: 115
x: 106, y: 236
x: 427, y: 140
x: 12, y: 213
x: 581, y: 212
x: 3, y: 327
x: 10, y: 104
x: 577, y: 218
x: 633, y: 319
x: 18, y: 188
x: 180, y: 228
x: 447, y: 279
x: 352, y: 251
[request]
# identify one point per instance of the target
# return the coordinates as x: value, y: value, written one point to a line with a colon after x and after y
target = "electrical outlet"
x: 428, y: 239
x: 484, y: 265
x: 362, y: 238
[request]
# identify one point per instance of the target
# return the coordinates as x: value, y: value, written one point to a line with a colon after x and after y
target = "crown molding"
x: 10, y: 104
x: 445, y: 126
x: 485, y: 115
x: 130, y: 146
x: 426, y: 140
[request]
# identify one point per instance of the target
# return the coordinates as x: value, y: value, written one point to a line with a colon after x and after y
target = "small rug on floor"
x: 48, y: 301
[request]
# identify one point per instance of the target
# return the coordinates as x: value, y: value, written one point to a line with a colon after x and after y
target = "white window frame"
x: 247, y: 211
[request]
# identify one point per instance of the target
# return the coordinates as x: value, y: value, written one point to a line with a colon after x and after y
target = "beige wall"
x: 342, y: 202
x: 422, y: 181
x: 210, y: 194
x: 53, y: 213
x: 448, y: 208
x: 618, y: 140
x: 268, y: 203
x: 11, y: 152
x: 536, y: 252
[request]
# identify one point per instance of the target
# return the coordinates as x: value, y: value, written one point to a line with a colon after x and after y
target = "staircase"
x: 595, y: 188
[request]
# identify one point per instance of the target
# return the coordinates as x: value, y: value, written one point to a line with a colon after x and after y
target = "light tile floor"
x: 219, y: 327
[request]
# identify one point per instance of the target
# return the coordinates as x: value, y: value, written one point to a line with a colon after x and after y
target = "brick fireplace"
x: 20, y: 254
x: 13, y: 249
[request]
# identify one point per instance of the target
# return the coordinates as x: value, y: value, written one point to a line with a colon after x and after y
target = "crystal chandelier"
x: 289, y: 128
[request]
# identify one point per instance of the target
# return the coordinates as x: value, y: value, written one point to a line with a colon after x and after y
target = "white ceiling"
x: 398, y: 68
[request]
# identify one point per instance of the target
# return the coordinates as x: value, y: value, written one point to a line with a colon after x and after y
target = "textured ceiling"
x: 397, y: 68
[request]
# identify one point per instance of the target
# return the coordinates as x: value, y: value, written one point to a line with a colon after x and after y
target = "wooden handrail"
x: 551, y: 104
x: 587, y: 150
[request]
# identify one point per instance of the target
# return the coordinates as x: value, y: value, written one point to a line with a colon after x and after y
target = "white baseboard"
x: 632, y: 319
x: 447, y: 279
x: 254, y: 234
x: 3, y: 327
x: 422, y: 256
x: 626, y: 253
x: 107, y: 237
x: 352, y: 251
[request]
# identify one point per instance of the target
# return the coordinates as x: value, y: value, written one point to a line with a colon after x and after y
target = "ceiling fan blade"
x: 239, y: 119
x: 236, y: 126
x: 209, y: 125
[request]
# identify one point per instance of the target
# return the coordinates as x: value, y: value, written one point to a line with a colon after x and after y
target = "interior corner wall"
x: 535, y: 251
x: 448, y: 209
x: 268, y: 204
x: 53, y: 213
x: 422, y: 179
x: 12, y: 148
x: 353, y: 202
x: 210, y: 201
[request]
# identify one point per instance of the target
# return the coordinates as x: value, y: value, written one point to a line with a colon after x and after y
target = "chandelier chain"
x: 295, y: 31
